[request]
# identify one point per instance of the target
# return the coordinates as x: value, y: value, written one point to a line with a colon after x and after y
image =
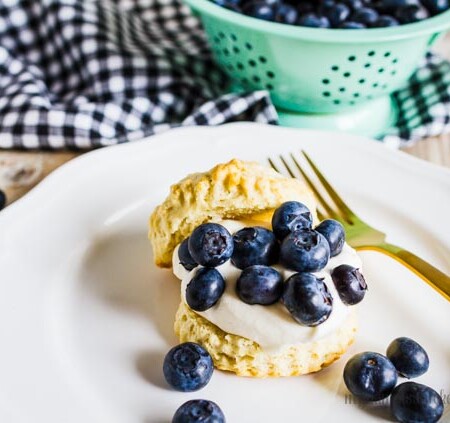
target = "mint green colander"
x: 319, y: 77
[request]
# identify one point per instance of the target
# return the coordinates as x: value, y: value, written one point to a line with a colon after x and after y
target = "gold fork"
x: 359, y: 234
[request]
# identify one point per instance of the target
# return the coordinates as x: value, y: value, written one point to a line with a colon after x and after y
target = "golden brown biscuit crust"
x: 246, y: 358
x: 227, y: 191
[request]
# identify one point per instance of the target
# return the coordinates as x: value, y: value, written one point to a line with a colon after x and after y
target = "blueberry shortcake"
x: 265, y: 287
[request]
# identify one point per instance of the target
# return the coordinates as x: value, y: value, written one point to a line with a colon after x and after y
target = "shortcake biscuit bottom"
x: 246, y: 358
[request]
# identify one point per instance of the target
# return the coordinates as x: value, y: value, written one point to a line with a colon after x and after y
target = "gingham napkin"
x: 85, y: 74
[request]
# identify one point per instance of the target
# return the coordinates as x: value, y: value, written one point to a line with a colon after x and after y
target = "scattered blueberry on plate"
x: 344, y: 14
x: 305, y: 250
x: 199, y: 411
x: 188, y: 367
x: 307, y: 299
x: 255, y: 245
x: 370, y: 376
x: 408, y: 357
x: 259, y: 285
x: 2, y: 199
x: 350, y: 284
x: 413, y: 402
x: 205, y: 289
x: 210, y: 244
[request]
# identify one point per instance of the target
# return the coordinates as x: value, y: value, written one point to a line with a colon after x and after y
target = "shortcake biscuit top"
x: 228, y: 191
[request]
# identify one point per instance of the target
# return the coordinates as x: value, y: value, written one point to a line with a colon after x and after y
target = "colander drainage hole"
x: 393, y: 72
x: 337, y: 101
x: 367, y: 65
x: 244, y: 81
x: 248, y: 46
x: 325, y: 81
x: 221, y: 35
x: 375, y: 85
x: 233, y: 37
x: 335, y: 68
x: 342, y: 89
x: 356, y: 95
x: 371, y: 53
x: 226, y: 52
x: 256, y: 78
x: 269, y: 86
x: 216, y: 40
x: 326, y: 93
x: 240, y: 66
x: 387, y: 54
x: 236, y: 50
x: 395, y: 61
x: 270, y: 74
x: 362, y: 80
x: 351, y: 58
x: 252, y: 63
x: 262, y: 59
x: 381, y: 70
x: 347, y: 74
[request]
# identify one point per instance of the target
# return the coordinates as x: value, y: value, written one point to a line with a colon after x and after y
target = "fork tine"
x: 328, y: 209
x: 272, y: 164
x: 344, y: 209
x: 292, y: 174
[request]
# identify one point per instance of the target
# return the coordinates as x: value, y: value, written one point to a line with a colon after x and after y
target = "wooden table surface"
x: 20, y: 170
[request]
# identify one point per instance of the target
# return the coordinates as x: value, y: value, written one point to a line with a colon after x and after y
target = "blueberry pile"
x: 344, y: 14
x: 189, y: 367
x: 370, y: 376
x: 254, y: 250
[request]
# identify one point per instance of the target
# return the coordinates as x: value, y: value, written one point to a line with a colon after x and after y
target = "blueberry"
x: 188, y: 367
x: 259, y: 285
x: 210, y: 244
x: 334, y: 233
x: 436, y: 6
x: 290, y: 216
x: 337, y: 14
x: 413, y: 402
x: 285, y: 13
x: 325, y: 6
x: 410, y: 14
x: 385, y: 21
x: 394, y: 4
x: 305, y: 7
x: 314, y: 21
x: 349, y: 283
x: 305, y: 251
x: 354, y: 4
x: 229, y: 4
x: 307, y: 299
x: 2, y: 199
x: 352, y: 25
x: 408, y: 357
x: 199, y: 411
x: 365, y: 15
x: 370, y: 376
x: 185, y: 257
x: 255, y: 245
x: 260, y: 10
x: 204, y: 289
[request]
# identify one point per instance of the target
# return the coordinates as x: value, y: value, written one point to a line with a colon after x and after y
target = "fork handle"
x: 432, y: 276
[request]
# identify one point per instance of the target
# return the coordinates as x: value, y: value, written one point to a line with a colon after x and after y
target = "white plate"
x: 86, y: 318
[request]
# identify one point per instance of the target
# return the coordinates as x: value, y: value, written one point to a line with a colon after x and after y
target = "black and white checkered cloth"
x: 91, y: 73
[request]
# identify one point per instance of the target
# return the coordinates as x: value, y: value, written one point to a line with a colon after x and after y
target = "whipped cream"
x: 272, y: 327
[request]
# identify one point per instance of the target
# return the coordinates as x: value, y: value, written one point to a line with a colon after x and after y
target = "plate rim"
x: 362, y: 142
